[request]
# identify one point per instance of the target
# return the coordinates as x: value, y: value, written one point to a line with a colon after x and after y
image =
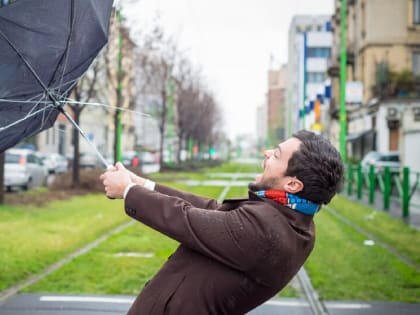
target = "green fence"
x: 389, y: 184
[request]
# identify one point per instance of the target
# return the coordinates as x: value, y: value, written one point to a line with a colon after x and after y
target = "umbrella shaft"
x: 86, y: 138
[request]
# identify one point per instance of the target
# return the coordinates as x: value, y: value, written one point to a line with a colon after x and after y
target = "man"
x: 236, y: 255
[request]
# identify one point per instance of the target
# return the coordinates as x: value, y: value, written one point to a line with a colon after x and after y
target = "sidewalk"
x: 53, y: 304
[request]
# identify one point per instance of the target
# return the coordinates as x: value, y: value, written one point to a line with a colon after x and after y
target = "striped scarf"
x: 292, y: 201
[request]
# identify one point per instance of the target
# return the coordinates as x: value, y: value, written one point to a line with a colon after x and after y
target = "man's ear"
x: 293, y: 185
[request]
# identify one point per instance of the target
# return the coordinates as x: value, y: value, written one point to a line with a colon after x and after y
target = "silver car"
x: 23, y: 169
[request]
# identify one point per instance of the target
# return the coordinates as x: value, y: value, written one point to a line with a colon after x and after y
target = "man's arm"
x: 234, y: 238
x: 118, y: 181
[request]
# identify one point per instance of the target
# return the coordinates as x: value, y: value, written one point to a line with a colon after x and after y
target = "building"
x: 385, y: 61
x: 309, y: 49
x: 261, y: 124
x: 276, y: 105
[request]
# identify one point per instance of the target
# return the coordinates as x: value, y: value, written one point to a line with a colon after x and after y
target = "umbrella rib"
x: 26, y: 117
x: 71, y: 101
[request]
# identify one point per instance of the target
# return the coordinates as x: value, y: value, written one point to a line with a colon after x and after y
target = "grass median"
x: 32, y: 238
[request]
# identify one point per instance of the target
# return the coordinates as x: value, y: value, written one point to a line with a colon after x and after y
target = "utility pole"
x: 343, y: 78
x: 170, y: 116
x: 117, y: 117
x: 305, y: 38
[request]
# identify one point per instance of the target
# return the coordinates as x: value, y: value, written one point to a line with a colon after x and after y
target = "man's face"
x: 275, y: 165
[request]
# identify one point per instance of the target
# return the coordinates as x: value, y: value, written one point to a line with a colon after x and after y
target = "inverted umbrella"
x: 45, y: 47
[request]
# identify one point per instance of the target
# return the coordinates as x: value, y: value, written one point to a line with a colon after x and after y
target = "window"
x: 315, y: 77
x: 416, y: 11
x: 319, y: 52
x: 416, y: 63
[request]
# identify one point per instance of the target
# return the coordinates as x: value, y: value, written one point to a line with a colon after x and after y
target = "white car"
x: 55, y: 163
x: 23, y: 169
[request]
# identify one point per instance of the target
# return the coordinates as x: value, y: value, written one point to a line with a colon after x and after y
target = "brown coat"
x: 232, y: 257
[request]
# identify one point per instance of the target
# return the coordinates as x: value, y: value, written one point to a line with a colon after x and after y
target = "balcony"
x: 395, y: 84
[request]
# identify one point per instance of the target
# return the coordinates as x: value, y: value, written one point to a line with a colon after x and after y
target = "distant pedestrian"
x: 236, y: 255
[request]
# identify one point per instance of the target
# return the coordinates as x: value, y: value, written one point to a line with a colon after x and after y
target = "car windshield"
x: 389, y: 158
x: 12, y: 158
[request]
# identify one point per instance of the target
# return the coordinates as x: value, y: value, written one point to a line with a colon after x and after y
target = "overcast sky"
x: 231, y: 41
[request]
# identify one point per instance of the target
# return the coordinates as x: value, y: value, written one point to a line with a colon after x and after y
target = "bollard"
x: 359, y: 181
x: 406, y: 192
x: 350, y: 179
x: 387, y: 187
x: 371, y: 184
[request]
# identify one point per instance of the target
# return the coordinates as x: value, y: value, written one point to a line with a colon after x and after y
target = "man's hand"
x: 116, y: 180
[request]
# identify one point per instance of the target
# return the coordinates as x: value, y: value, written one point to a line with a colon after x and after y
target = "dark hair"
x: 318, y: 165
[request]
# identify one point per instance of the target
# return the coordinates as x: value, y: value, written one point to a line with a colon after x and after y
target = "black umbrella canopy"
x: 45, y: 46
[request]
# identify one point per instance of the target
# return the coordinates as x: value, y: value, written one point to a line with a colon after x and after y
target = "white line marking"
x: 95, y: 299
x: 86, y: 299
x: 347, y: 305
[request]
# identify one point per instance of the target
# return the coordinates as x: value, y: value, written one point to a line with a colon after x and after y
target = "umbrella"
x: 45, y: 47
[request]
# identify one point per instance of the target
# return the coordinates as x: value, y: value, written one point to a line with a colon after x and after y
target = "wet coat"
x: 232, y: 256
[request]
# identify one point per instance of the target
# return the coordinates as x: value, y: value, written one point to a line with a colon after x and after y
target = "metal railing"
x: 386, y: 182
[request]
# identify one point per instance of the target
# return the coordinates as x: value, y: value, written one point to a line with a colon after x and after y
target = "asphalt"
x: 53, y: 304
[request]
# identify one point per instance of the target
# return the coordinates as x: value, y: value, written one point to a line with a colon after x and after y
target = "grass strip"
x: 33, y: 238
x: 402, y: 237
x: 341, y: 267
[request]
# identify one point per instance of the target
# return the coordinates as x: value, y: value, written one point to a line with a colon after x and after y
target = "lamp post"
x: 117, y: 117
x: 343, y: 77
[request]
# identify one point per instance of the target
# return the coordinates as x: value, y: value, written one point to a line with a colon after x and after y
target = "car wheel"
x: 28, y: 185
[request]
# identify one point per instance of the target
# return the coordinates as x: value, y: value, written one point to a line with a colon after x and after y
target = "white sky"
x: 231, y: 41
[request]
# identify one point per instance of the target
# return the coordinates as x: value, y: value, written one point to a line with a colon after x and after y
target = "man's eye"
x: 276, y: 153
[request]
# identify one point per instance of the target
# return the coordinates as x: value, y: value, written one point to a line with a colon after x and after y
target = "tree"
x: 156, y: 56
x: 83, y: 92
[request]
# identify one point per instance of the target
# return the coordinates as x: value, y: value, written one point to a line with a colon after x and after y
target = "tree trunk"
x: 76, y: 152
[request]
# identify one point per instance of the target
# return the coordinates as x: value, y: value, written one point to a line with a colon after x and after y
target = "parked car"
x: 55, y: 163
x: 131, y: 158
x: 149, y: 163
x: 23, y: 168
x: 381, y: 159
x: 89, y: 160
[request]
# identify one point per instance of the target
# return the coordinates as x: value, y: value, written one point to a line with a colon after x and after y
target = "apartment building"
x: 309, y: 49
x: 383, y: 55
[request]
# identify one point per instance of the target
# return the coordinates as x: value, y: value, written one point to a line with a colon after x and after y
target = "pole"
x: 170, y: 116
x: 406, y: 193
x: 343, y: 77
x: 304, y: 79
x: 387, y: 187
x: 117, y: 117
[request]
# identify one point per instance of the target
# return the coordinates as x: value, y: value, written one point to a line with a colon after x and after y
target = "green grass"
x: 32, y: 238
x: 402, y: 237
x: 101, y: 272
x: 341, y: 267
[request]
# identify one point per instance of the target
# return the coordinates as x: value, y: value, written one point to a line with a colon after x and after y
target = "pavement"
x: 53, y: 304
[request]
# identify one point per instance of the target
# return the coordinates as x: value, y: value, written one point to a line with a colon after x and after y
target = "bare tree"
x: 83, y: 92
x: 156, y: 56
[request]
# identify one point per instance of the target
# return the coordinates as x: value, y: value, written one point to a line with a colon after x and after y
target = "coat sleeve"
x: 197, y: 201
x: 234, y: 238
